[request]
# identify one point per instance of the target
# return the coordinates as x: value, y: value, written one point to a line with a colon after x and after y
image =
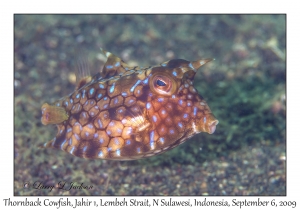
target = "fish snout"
x: 208, y: 124
x: 212, y: 126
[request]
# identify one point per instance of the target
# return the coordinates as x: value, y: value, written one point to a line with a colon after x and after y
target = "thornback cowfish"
x: 127, y: 113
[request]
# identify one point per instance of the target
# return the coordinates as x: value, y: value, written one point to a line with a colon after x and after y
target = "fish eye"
x: 163, y: 84
x: 160, y: 82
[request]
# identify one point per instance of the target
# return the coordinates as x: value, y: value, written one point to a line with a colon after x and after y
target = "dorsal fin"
x: 82, y: 82
x: 83, y: 75
x: 113, y: 66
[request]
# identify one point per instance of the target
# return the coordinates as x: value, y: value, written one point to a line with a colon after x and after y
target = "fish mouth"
x: 212, y: 126
x: 208, y: 124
